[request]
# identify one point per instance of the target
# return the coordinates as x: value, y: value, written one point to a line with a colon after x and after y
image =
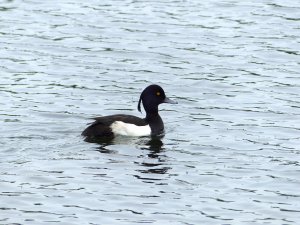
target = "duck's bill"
x: 167, y: 100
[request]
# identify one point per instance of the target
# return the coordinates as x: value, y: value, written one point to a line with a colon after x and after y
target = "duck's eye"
x: 158, y: 93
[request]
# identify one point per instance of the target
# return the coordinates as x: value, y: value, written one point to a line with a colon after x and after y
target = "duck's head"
x: 151, y: 97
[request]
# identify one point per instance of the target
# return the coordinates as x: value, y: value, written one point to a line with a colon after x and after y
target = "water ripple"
x: 230, y: 154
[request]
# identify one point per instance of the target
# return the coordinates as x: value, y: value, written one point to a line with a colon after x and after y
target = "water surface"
x: 231, y: 150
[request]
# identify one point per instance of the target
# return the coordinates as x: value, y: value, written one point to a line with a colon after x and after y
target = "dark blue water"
x: 231, y: 150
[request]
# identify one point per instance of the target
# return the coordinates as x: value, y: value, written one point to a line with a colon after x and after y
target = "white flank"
x: 128, y: 129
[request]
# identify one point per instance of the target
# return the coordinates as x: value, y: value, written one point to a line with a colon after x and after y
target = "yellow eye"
x: 158, y: 93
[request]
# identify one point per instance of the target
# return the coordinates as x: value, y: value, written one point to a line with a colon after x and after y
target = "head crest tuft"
x: 139, y: 104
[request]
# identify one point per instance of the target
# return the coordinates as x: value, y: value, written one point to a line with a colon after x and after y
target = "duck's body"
x: 128, y: 125
x: 119, y: 124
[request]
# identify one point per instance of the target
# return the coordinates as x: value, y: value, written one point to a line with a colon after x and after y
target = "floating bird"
x: 128, y: 125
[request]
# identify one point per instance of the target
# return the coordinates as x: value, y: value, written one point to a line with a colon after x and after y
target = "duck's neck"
x: 155, y: 122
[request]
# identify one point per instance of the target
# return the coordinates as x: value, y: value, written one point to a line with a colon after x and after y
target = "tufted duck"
x: 127, y: 125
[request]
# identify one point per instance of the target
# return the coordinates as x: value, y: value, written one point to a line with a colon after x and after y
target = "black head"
x: 151, y: 97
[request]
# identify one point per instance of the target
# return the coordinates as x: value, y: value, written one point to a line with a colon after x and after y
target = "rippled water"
x: 231, y: 153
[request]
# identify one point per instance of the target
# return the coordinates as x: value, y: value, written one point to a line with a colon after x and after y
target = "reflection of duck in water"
x: 128, y: 125
x: 153, y: 145
x: 155, y: 163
